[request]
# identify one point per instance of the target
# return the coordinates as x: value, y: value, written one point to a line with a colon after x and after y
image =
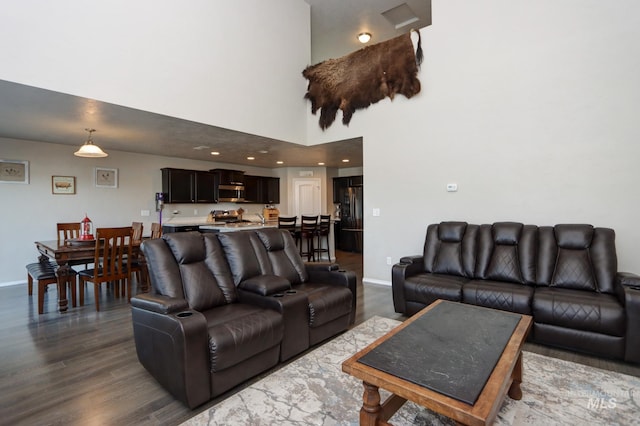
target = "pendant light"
x: 89, y: 149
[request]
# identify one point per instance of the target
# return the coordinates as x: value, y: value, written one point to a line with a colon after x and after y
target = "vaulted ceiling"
x: 35, y: 114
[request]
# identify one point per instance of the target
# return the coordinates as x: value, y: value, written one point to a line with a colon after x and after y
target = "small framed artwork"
x: 106, y: 178
x: 63, y: 184
x: 14, y: 171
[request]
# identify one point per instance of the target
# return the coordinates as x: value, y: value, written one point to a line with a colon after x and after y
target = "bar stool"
x: 308, y: 226
x: 289, y: 223
x: 322, y: 232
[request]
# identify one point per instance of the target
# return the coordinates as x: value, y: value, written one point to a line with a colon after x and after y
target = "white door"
x: 306, y: 197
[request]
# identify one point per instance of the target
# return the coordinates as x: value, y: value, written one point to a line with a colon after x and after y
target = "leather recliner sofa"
x: 226, y: 307
x: 564, y: 276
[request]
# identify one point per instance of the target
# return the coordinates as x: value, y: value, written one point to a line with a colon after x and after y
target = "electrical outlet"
x: 389, y: 260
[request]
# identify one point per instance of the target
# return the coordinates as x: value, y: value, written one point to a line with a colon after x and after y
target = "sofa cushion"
x: 239, y: 331
x: 511, y: 297
x: 240, y: 254
x: 198, y: 282
x: 581, y: 310
x: 283, y: 255
x: 507, y: 252
x: 326, y: 302
x: 450, y: 248
x: 427, y: 288
x: 577, y: 256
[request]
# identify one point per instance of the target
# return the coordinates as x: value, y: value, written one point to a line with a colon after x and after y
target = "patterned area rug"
x: 313, y: 390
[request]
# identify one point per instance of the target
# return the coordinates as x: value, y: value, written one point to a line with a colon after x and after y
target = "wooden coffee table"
x: 503, y: 379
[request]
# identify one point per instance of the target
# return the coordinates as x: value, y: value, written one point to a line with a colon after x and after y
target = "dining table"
x: 67, y: 253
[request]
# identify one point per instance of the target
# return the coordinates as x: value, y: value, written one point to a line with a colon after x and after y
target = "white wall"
x: 30, y: 212
x: 530, y: 107
x: 231, y: 64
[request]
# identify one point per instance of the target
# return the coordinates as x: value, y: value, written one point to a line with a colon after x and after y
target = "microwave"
x: 230, y: 193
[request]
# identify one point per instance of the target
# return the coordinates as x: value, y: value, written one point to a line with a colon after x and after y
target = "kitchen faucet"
x: 261, y: 218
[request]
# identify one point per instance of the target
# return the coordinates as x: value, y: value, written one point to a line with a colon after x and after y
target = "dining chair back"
x: 308, y: 226
x: 113, y: 248
x: 322, y: 235
x: 67, y: 231
x: 156, y: 230
x: 137, y: 230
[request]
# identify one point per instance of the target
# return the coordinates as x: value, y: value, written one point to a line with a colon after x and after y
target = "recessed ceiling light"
x: 346, y: 160
x: 251, y: 158
x: 279, y: 162
x: 320, y: 164
x: 215, y: 153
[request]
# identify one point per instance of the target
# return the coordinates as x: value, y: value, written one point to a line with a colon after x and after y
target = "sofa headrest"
x: 507, y: 233
x: 573, y: 236
x: 187, y: 247
x: 451, y: 232
x: 271, y: 238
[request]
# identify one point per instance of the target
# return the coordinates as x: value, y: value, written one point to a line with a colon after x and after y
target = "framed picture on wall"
x: 14, y: 171
x: 106, y: 178
x: 63, y: 185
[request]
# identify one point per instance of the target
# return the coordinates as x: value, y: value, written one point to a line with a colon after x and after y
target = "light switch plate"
x: 144, y: 212
x: 452, y: 187
x: 376, y: 212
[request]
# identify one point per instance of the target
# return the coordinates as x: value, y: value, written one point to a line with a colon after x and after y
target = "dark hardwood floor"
x: 80, y: 368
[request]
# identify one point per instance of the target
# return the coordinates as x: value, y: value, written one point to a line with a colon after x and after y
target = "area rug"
x: 313, y: 390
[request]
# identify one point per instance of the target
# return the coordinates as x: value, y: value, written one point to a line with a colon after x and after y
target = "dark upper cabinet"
x: 188, y: 186
x: 356, y: 180
x: 340, y: 185
x: 251, y: 189
x: 205, y: 187
x: 261, y: 189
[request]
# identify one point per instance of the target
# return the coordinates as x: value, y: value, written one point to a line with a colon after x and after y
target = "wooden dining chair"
x: 289, y: 223
x: 322, y: 234
x: 113, y: 248
x: 308, y: 226
x: 156, y: 230
x: 134, y: 264
x: 67, y: 231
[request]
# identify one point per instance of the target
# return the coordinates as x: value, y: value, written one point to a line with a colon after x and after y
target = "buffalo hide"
x: 363, y: 78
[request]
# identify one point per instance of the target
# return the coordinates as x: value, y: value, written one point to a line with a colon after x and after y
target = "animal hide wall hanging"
x: 363, y: 77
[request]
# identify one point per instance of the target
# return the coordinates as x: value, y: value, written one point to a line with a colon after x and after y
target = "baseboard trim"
x: 376, y: 281
x: 10, y: 283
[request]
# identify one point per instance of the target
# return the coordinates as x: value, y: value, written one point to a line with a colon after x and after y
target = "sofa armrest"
x: 629, y: 279
x: 418, y: 258
x: 321, y: 266
x: 159, y: 304
x: 407, y: 267
x: 265, y: 285
x: 172, y: 343
x: 630, y: 284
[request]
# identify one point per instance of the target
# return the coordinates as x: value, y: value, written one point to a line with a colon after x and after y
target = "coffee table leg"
x: 514, y: 391
x: 371, y: 409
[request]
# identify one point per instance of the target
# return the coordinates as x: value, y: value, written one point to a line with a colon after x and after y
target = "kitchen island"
x: 240, y: 226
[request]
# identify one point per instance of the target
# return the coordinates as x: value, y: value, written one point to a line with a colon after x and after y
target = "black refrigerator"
x: 350, y: 229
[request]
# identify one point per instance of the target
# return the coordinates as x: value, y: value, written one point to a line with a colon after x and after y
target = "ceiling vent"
x: 401, y: 16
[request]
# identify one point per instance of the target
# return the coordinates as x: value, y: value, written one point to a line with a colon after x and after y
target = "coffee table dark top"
x: 452, y: 349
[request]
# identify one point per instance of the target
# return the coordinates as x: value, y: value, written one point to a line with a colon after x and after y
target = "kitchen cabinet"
x: 340, y: 185
x: 261, y: 189
x: 188, y: 186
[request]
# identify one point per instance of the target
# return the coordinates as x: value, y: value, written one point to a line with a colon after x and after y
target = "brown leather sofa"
x: 565, y: 276
x: 226, y: 307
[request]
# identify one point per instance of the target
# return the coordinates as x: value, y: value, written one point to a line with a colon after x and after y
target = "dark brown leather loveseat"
x: 226, y: 307
x: 565, y: 276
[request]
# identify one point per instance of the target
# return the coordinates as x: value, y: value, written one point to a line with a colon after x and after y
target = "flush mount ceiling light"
x: 364, y: 37
x: 90, y: 150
